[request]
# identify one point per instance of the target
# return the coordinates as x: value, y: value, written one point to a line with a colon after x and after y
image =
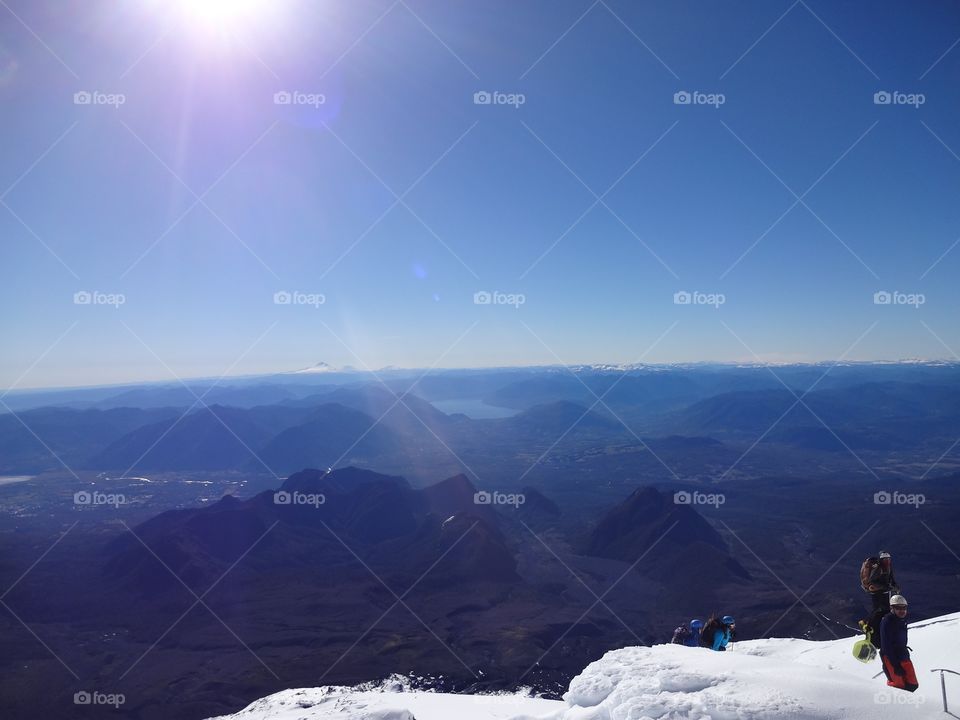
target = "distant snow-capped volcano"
x: 320, y: 367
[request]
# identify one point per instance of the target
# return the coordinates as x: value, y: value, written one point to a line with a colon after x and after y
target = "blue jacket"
x: 720, y: 638
x: 694, y: 639
x: 893, y: 638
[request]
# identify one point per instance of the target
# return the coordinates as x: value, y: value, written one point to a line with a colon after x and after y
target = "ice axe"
x: 943, y: 686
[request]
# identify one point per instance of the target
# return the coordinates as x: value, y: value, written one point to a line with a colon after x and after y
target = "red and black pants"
x: 900, y: 673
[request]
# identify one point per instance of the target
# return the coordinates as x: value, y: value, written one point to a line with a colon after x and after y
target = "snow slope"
x: 390, y: 702
x: 781, y: 679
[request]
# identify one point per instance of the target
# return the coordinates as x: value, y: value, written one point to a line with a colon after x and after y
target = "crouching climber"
x: 718, y: 632
x: 689, y: 636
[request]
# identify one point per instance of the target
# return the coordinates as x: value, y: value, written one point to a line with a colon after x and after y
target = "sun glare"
x: 223, y: 14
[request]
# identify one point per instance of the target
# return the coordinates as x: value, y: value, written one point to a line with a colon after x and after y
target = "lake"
x: 10, y: 479
x: 474, y: 409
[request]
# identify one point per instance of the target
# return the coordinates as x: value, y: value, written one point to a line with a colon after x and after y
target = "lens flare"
x: 223, y: 15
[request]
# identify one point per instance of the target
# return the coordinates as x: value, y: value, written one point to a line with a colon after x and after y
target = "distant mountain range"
x: 277, y: 428
x: 871, y: 415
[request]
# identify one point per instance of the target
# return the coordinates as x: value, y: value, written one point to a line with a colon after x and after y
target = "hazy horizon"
x: 348, y: 369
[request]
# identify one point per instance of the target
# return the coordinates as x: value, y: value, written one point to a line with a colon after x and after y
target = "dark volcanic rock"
x: 673, y: 540
x: 322, y: 520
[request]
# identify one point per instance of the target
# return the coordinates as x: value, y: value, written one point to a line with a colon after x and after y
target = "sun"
x: 223, y: 15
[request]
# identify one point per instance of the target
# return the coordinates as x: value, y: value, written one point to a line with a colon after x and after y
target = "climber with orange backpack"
x: 876, y: 578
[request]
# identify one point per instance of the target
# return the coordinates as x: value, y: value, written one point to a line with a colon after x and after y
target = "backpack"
x: 680, y: 635
x: 869, y: 565
x: 709, y: 631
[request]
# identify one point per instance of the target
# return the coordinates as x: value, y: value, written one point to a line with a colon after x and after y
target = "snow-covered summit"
x: 320, y: 367
x: 774, y: 679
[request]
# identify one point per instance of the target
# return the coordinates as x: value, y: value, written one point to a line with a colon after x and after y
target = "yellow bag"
x: 864, y: 651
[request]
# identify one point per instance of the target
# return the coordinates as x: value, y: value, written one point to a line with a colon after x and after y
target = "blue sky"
x: 303, y: 197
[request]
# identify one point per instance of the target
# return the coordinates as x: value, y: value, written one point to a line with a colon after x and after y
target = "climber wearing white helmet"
x: 893, y: 647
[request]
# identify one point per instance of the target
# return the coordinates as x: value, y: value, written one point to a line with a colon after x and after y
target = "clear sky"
x: 184, y: 186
